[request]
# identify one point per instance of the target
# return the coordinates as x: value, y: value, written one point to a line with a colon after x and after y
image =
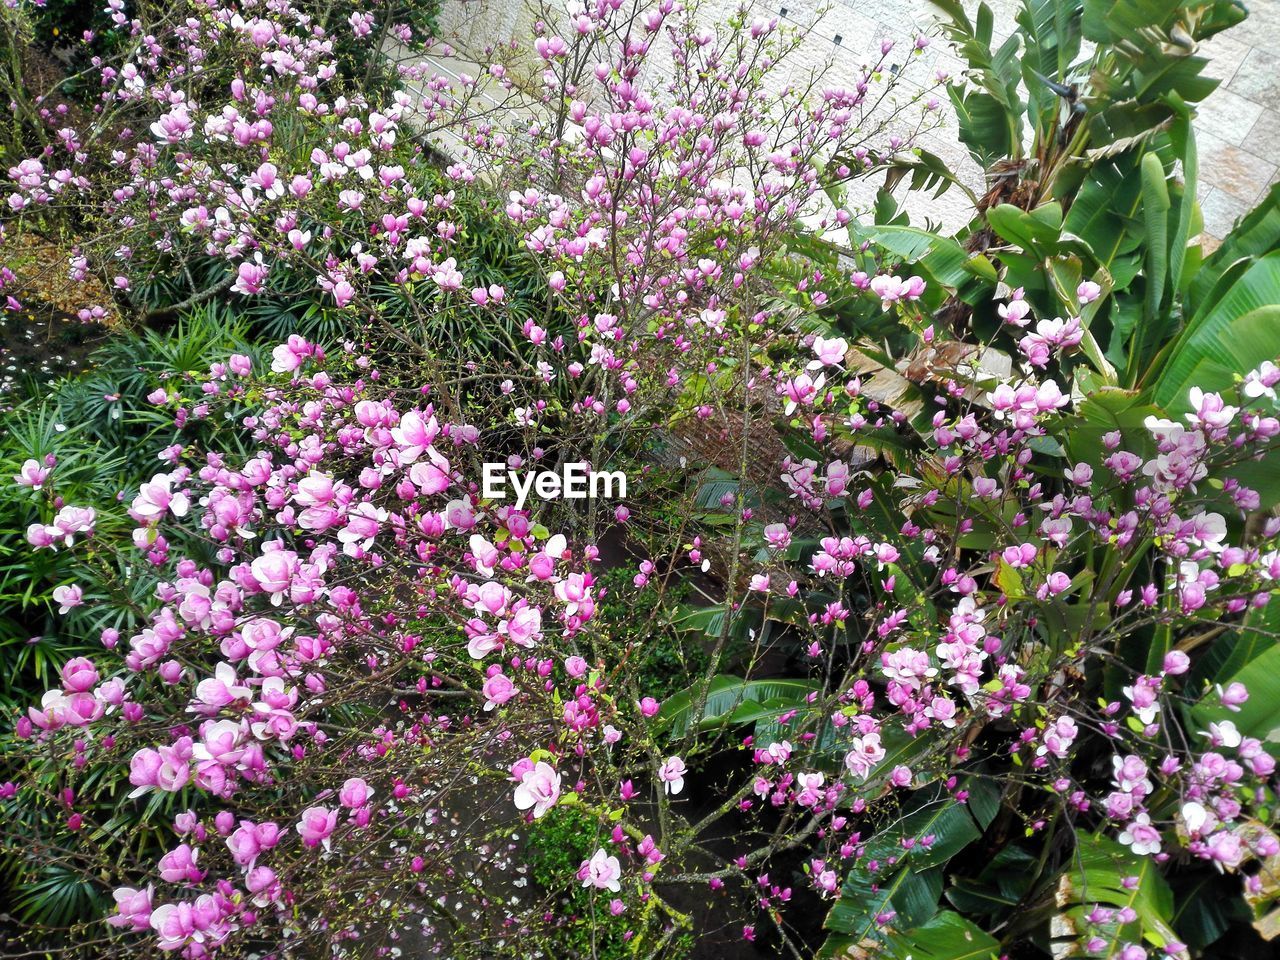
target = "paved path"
x: 1238, y: 126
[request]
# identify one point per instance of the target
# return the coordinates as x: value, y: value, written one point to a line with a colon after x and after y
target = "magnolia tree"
x: 362, y: 680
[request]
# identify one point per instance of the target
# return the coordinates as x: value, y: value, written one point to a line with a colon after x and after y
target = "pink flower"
x: 1234, y: 696
x: 177, y: 923
x: 174, y: 770
x: 68, y: 597
x: 263, y: 884
x: 414, y: 434
x: 601, y: 871
x: 284, y: 360
x: 274, y: 572
x: 79, y: 674
x: 316, y: 826
x: 829, y: 353
x: 179, y: 865
x: 363, y: 525
x: 31, y: 475
x: 497, y: 690
x: 864, y: 753
x: 133, y: 908
x: 1225, y: 848
x: 343, y: 292
x: 69, y: 521
x: 539, y: 788
x: 671, y: 773
x: 1141, y: 836
x: 220, y: 742
x: 39, y: 536
x: 155, y: 497
x: 250, y: 276
x: 892, y: 289
x: 220, y: 690
x: 354, y: 793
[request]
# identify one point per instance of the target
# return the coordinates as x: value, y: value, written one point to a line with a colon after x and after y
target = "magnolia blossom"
x: 68, y: 596
x: 355, y: 793
x: 892, y: 289
x: 1141, y: 837
x: 672, y: 773
x: 155, y: 498
x: 539, y: 788
x: 32, y: 475
x: 864, y: 753
x: 133, y: 908
x: 316, y: 825
x: 497, y: 690
x: 601, y: 872
x: 829, y: 353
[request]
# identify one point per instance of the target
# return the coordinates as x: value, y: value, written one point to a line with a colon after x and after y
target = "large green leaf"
x: 732, y: 700
x: 1238, y: 647
x: 1113, y: 21
x: 1052, y: 29
x: 948, y: 936
x: 1051, y: 33
x: 915, y: 846
x: 1155, y: 210
x: 1257, y: 233
x: 1035, y: 231
x: 1105, y: 216
x: 983, y: 125
x: 1259, y: 716
x: 999, y: 887
x: 1229, y: 336
x: 941, y: 257
x: 1103, y: 871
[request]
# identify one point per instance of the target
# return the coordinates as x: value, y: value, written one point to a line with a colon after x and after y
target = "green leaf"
x: 1052, y: 30
x: 1258, y: 233
x: 943, y: 258
x: 1105, y: 872
x: 1104, y: 213
x: 1229, y: 336
x: 1238, y: 647
x: 1155, y: 211
x: 1259, y: 716
x: 732, y: 700
x: 1184, y: 140
x: 1035, y: 232
x: 999, y: 887
x: 1102, y: 411
x: 983, y: 125
x: 920, y: 843
x: 948, y: 936
x: 1112, y: 21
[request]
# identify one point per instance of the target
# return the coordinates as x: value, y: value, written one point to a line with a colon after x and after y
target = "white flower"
x: 1223, y: 734
x: 1196, y: 817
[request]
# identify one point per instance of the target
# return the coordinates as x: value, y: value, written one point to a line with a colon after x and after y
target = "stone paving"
x: 1237, y: 127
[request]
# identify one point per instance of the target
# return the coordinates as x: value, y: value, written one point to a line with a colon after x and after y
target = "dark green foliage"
x: 583, y: 926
